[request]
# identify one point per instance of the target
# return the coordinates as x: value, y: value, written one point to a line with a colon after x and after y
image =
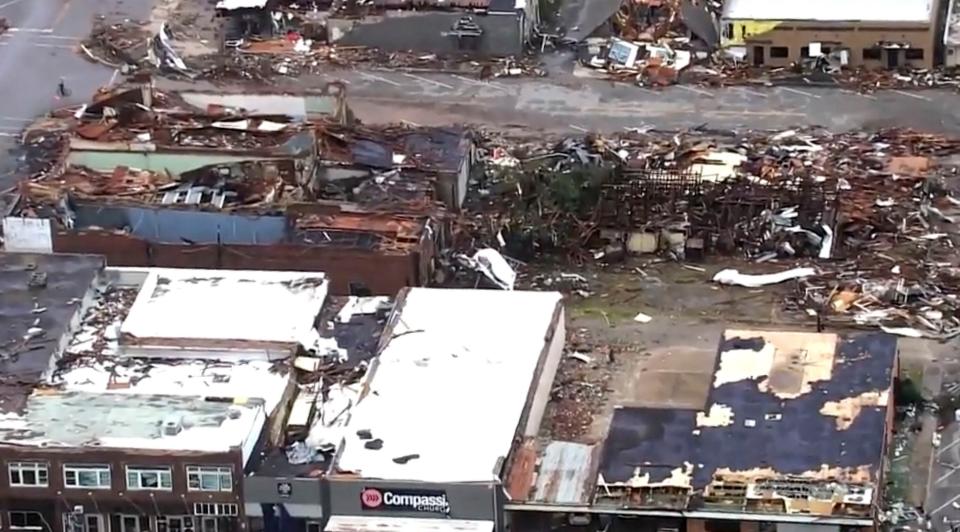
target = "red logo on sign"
x: 371, y: 498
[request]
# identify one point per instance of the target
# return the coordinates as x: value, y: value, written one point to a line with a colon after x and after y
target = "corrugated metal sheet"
x: 567, y: 472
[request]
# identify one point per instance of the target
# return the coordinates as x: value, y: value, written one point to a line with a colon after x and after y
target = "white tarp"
x: 491, y: 263
x: 230, y: 5
x: 733, y: 277
x: 27, y: 235
x: 358, y: 523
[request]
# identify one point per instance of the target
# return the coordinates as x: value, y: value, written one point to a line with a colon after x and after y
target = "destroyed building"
x: 145, y: 185
x: 873, y: 34
x: 465, y: 27
x: 814, y: 411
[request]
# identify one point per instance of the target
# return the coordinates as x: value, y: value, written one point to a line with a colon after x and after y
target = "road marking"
x: 752, y: 92
x: 911, y: 95
x: 648, y: 91
x: 944, y: 505
x: 378, y: 78
x: 58, y: 37
x: 427, y: 80
x: 10, y: 3
x: 953, y: 444
x: 578, y: 128
x: 467, y: 80
x: 479, y: 83
x: 752, y: 113
x: 798, y: 91
x: 945, y: 475
x: 61, y: 13
x: 39, y: 44
x: 15, y: 119
x: 5, y: 134
x: 855, y: 93
x: 691, y: 89
x: 29, y: 30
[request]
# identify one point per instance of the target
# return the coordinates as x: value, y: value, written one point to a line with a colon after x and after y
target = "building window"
x: 313, y: 526
x: 209, y: 524
x: 914, y: 54
x: 215, y: 509
x: 149, y: 478
x: 805, y: 52
x: 825, y: 50
x: 779, y: 52
x: 25, y: 520
x: 872, y: 54
x: 86, y: 476
x: 728, y: 31
x: 28, y: 474
x: 175, y: 523
x: 83, y: 523
x: 209, y: 478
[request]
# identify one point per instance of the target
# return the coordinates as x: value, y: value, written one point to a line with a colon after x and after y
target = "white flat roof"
x: 449, y: 388
x: 224, y: 307
x: 830, y: 10
x: 79, y: 419
x: 190, y: 378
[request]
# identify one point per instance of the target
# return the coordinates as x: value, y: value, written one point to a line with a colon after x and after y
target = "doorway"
x: 758, y: 58
x: 134, y: 523
x: 893, y: 58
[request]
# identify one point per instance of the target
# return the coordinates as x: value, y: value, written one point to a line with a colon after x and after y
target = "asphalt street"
x: 599, y: 105
x: 565, y: 102
x: 41, y: 47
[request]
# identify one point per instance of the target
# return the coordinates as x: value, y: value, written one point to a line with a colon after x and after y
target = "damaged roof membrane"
x: 812, y: 409
x: 784, y: 363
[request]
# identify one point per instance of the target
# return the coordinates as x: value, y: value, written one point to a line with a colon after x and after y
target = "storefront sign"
x: 429, y: 501
x: 284, y: 489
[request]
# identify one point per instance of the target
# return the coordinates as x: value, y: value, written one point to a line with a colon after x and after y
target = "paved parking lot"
x: 943, y: 504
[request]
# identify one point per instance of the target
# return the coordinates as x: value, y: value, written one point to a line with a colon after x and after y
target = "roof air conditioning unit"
x: 172, y: 425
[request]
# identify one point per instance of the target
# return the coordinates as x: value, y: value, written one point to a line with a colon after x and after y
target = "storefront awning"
x: 357, y: 523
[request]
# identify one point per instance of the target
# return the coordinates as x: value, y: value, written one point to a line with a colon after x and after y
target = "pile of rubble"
x: 652, y: 41
x: 720, y: 72
x: 264, y: 62
x: 130, y: 46
x: 879, y: 205
x: 116, y: 44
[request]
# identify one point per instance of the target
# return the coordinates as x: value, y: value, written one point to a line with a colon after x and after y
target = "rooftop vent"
x: 172, y: 425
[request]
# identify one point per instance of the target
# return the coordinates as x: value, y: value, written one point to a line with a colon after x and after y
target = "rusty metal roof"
x: 567, y: 473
